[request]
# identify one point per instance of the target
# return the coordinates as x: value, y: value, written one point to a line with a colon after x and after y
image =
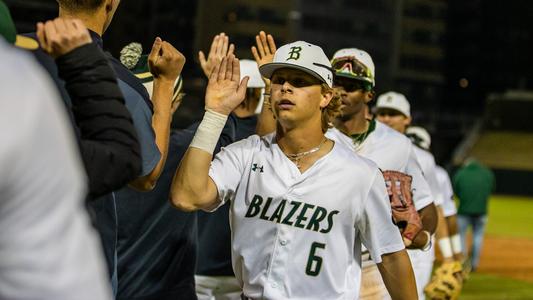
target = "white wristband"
x: 208, y: 131
x: 427, y: 246
x: 456, y: 244
x: 445, y: 247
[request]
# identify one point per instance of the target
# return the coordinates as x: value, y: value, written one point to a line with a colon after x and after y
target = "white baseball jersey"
x: 427, y: 162
x: 390, y: 150
x: 298, y: 236
x: 422, y: 261
x: 448, y: 204
x: 48, y: 248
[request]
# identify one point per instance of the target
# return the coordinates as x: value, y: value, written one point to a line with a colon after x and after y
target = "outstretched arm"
x: 192, y: 188
x: 165, y: 64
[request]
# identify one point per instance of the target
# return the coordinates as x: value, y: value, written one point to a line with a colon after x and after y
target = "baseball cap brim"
x: 360, y: 78
x: 378, y: 108
x: 267, y: 70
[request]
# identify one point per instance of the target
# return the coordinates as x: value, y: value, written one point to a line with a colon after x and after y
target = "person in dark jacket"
x: 106, y: 135
x: 151, y: 116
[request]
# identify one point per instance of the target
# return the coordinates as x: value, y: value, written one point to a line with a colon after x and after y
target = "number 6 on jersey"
x: 314, y: 269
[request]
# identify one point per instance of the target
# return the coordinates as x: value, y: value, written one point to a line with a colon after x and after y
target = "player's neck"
x: 93, y: 21
x: 355, y: 125
x: 303, y: 147
x: 298, y: 139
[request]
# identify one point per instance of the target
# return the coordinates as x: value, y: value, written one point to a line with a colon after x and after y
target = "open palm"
x: 220, y: 48
x: 225, y: 91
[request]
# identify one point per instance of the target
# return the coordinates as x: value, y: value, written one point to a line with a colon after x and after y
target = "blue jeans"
x: 478, y: 224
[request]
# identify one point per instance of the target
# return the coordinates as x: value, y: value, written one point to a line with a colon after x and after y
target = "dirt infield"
x: 509, y: 257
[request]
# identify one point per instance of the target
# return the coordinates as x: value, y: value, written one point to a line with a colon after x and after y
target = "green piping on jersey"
x: 359, y: 138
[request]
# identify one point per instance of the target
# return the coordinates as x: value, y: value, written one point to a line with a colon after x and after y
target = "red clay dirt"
x: 509, y: 257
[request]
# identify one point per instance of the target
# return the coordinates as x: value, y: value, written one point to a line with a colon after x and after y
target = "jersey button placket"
x: 280, y: 258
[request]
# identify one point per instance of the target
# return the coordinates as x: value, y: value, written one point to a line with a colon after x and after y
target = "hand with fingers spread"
x: 266, y: 47
x: 165, y: 61
x: 264, y: 52
x: 219, y: 50
x: 225, y: 91
x: 60, y: 36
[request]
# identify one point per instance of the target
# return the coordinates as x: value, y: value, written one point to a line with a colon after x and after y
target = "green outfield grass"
x: 511, y: 216
x: 490, y: 287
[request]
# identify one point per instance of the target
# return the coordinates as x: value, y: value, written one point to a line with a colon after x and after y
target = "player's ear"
x: 407, y: 121
x: 327, y: 95
x: 369, y: 95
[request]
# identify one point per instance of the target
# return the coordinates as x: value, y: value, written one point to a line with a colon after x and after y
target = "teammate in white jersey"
x: 449, y: 211
x: 422, y: 139
x: 300, y: 204
x: 449, y: 238
x: 394, y: 110
x: 355, y: 81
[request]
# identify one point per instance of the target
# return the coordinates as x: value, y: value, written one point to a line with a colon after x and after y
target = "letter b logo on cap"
x: 295, y: 53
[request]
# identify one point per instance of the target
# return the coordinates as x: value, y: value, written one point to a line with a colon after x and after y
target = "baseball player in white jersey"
x: 390, y: 150
x: 448, y: 276
x: 449, y: 210
x: 300, y: 203
x: 394, y: 110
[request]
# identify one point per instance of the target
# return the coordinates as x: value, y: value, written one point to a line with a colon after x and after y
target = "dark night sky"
x: 488, y: 44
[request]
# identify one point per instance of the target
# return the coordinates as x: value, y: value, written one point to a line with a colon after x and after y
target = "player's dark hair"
x: 330, y: 112
x: 80, y: 5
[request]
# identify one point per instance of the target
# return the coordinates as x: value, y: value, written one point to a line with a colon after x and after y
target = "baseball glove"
x: 404, y: 213
x: 445, y: 284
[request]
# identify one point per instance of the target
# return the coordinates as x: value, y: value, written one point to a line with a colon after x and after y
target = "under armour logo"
x: 255, y: 167
x: 295, y: 53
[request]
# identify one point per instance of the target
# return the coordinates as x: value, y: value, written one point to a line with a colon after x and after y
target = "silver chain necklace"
x: 296, y: 157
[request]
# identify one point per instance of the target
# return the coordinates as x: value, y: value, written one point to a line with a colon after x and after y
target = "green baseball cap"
x: 9, y: 32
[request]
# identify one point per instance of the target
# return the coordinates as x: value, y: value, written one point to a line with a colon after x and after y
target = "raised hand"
x: 219, y: 50
x: 165, y: 61
x: 60, y: 36
x: 266, y: 47
x: 264, y: 52
x: 225, y: 91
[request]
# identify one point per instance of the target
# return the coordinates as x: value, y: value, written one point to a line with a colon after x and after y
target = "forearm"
x: 191, y: 181
x: 266, y: 123
x: 429, y: 218
x: 453, y: 231
x: 161, y: 120
x: 442, y: 236
x: 398, y: 276
x: 451, y: 221
x: 192, y: 187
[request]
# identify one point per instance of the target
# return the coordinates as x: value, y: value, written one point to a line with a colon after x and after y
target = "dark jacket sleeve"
x: 108, y: 140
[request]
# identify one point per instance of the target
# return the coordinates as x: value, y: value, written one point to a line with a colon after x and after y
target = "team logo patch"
x: 256, y: 167
x: 295, y: 53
